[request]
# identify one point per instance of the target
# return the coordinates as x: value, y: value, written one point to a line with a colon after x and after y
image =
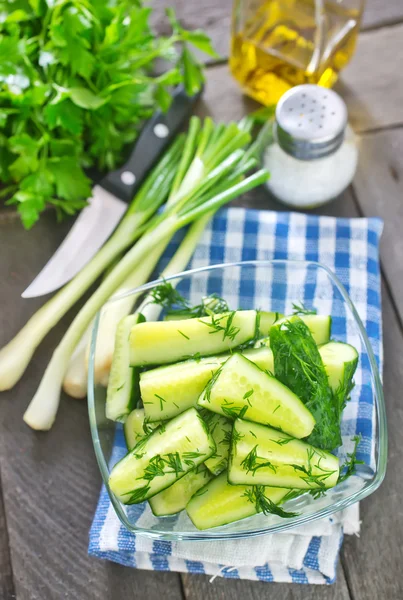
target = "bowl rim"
x: 211, y: 534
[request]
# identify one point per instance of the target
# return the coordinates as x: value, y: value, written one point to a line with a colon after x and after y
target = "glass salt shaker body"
x: 314, y: 154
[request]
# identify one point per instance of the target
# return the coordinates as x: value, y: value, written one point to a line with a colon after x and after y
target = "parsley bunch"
x: 76, y: 85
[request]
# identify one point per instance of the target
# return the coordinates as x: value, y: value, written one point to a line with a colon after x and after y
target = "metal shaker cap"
x: 310, y: 122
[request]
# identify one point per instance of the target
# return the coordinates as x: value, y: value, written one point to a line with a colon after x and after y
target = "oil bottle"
x: 277, y: 44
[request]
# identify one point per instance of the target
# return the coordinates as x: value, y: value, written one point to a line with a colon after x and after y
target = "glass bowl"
x: 275, y: 286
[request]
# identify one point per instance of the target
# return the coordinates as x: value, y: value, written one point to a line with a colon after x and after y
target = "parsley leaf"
x: 77, y: 83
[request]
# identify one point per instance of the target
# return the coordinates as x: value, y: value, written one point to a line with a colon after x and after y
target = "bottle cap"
x: 310, y: 122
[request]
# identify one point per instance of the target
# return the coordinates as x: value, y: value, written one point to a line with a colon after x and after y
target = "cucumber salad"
x: 228, y: 413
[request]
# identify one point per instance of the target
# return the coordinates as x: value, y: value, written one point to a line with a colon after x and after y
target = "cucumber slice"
x: 266, y: 320
x: 163, y: 342
x: 240, y: 388
x: 220, y: 429
x: 260, y: 455
x: 320, y: 326
x: 136, y: 427
x: 123, y: 386
x: 340, y: 361
x: 168, y: 391
x: 219, y: 503
x: 161, y: 458
x: 174, y: 499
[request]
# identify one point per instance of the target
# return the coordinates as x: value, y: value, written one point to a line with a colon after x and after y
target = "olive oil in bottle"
x: 277, y: 44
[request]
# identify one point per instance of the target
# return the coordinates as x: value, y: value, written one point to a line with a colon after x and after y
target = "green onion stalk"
x: 16, y: 355
x: 199, y: 170
x: 42, y: 410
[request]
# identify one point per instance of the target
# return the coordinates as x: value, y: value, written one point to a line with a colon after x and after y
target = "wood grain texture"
x: 373, y: 562
x: 214, y: 16
x: 198, y: 587
x: 7, y: 591
x: 378, y: 185
x: 50, y: 480
x: 371, y: 84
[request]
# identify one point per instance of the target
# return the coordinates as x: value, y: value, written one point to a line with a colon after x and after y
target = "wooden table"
x: 50, y: 481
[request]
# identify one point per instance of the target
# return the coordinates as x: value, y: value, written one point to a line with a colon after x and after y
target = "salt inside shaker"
x: 314, y: 155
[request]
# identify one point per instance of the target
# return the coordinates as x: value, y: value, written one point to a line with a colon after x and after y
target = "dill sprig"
x: 252, y: 462
x: 349, y: 467
x: 162, y: 400
x: 282, y: 441
x: 318, y: 479
x: 209, y: 387
x: 298, y: 364
x: 256, y: 495
x: 233, y: 411
x: 138, y: 495
x: 167, y: 296
x: 300, y: 309
x: 247, y: 395
x: 223, y: 324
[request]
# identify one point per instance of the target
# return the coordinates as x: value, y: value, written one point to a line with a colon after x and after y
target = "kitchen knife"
x: 110, y: 198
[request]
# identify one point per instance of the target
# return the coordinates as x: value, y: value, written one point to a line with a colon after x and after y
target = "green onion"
x: 15, y: 356
x: 209, y: 172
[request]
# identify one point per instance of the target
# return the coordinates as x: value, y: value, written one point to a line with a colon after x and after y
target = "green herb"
x: 138, y: 495
x: 277, y: 407
x: 155, y: 468
x: 282, y: 441
x: 162, y: 400
x: 251, y: 462
x: 349, y: 467
x: 167, y: 296
x: 227, y: 329
x: 309, y: 478
x: 300, y: 309
x: 210, y: 385
x: 297, y: 364
x: 76, y: 87
x: 256, y: 495
x: 184, y: 335
x: 247, y: 396
x: 233, y: 412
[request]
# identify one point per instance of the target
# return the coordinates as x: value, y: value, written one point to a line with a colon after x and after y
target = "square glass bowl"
x: 274, y: 286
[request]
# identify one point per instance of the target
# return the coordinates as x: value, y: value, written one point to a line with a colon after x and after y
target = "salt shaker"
x: 314, y: 153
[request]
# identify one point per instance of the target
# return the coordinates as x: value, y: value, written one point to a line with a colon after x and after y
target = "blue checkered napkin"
x: 306, y: 554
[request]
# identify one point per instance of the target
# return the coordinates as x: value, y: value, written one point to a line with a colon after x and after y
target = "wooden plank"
x: 373, y: 562
x: 379, y: 13
x: 215, y: 18
x: 6, y: 572
x: 371, y: 85
x: 51, y: 480
x: 198, y: 587
x: 378, y: 185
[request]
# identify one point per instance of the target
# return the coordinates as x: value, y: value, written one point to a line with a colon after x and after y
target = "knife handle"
x: 156, y: 135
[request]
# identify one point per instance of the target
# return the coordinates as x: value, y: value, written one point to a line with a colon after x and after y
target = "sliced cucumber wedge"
x: 340, y: 361
x: 266, y: 320
x: 168, y: 391
x: 136, y: 427
x: 240, y: 388
x: 220, y: 428
x: 163, y: 342
x: 123, y: 386
x: 174, y: 499
x: 260, y: 455
x: 219, y: 503
x: 161, y: 458
x: 320, y: 326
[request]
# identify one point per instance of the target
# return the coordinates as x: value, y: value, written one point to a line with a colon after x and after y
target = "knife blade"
x: 110, y: 199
